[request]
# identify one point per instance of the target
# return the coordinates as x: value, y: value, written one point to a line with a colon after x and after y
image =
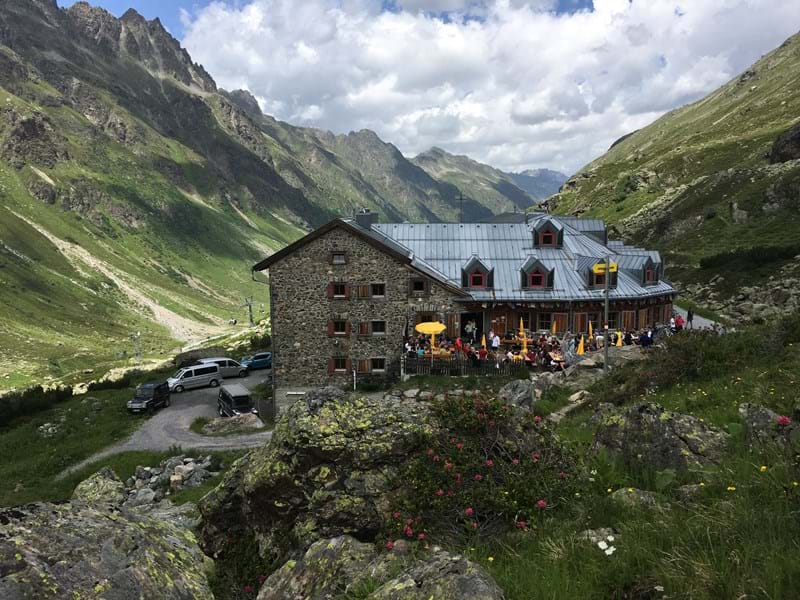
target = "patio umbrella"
x: 431, y: 328
x: 590, y: 330
x: 554, y: 328
x: 580, y: 349
x: 619, y: 339
x: 483, y: 340
x: 524, y: 337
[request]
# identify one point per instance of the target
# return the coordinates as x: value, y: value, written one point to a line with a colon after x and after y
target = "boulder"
x: 335, y: 567
x: 647, y: 434
x: 103, y: 486
x: 518, y: 393
x: 689, y: 492
x: 140, y: 497
x: 787, y: 146
x: 326, y: 472
x: 230, y: 425
x: 634, y: 498
x: 82, y: 550
x: 316, y: 399
x: 763, y: 428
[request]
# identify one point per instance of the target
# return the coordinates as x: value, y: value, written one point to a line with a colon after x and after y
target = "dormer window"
x: 547, y: 238
x: 537, y: 279
x: 599, y: 279
x: 476, y: 274
x: 548, y: 233
x: 477, y: 280
x: 649, y: 275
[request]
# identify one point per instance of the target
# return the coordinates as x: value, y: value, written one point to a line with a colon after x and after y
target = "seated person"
x: 483, y: 353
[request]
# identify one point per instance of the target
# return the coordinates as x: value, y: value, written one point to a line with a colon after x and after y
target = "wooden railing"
x: 455, y: 366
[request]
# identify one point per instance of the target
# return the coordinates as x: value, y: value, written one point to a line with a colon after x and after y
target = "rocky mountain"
x: 134, y: 194
x: 715, y: 185
x: 477, y: 182
x: 539, y: 183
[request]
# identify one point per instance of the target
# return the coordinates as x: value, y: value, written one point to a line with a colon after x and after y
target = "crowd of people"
x: 543, y: 352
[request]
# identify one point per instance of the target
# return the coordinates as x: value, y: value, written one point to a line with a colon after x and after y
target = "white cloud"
x: 509, y: 82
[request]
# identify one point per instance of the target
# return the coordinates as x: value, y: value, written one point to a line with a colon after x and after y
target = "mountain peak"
x: 244, y: 100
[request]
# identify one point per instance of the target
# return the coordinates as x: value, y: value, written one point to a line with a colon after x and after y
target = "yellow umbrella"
x: 524, y: 337
x: 590, y: 330
x: 431, y: 328
x: 554, y: 328
x: 483, y: 340
x: 580, y: 349
x: 619, y: 339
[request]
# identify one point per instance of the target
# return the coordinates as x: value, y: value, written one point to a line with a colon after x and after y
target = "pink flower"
x: 450, y: 493
x: 474, y: 525
x: 408, y: 531
x: 515, y: 461
x: 783, y: 420
x: 396, y: 515
x: 537, y: 419
x: 448, y: 466
x: 490, y: 463
x: 430, y: 451
x: 478, y: 477
x: 469, y: 512
x: 390, y: 545
x: 436, y: 458
x: 409, y: 521
x: 440, y: 492
x: 535, y: 457
x: 459, y: 445
x: 491, y: 423
x: 248, y: 589
x: 541, y: 504
x: 262, y: 578
x: 421, y: 536
x: 521, y: 524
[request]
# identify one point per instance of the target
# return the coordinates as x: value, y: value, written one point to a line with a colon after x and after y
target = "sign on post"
x: 600, y: 268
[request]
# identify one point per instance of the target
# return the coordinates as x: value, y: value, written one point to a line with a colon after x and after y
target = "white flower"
x: 610, y: 551
x: 659, y: 588
x: 610, y: 538
x: 602, y: 545
x: 593, y: 472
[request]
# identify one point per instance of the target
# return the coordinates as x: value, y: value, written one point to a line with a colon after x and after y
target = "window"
x: 537, y: 279
x: 649, y: 275
x: 378, y: 290
x: 378, y: 327
x: 340, y: 328
x: 378, y: 364
x: 477, y: 280
x: 418, y: 286
x: 598, y: 279
x: 545, y: 321
x: 339, y: 290
x: 338, y: 258
x: 340, y: 363
x: 613, y: 321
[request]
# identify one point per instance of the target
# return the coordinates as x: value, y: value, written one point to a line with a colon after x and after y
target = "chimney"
x: 365, y: 218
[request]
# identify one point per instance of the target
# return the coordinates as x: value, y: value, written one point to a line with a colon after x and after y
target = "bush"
x: 30, y: 401
x: 743, y: 259
x: 493, y: 468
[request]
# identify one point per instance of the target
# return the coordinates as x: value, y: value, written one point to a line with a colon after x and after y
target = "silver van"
x: 227, y: 366
x: 194, y: 376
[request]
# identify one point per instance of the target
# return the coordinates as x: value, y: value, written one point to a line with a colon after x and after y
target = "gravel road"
x: 170, y: 426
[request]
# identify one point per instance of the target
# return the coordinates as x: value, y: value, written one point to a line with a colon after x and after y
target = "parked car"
x: 194, y: 376
x: 227, y: 366
x: 150, y: 396
x: 234, y: 399
x: 262, y: 360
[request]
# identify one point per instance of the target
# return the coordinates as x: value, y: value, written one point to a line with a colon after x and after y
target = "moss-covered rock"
x: 647, y: 434
x: 95, y: 550
x: 103, y: 486
x: 325, y: 473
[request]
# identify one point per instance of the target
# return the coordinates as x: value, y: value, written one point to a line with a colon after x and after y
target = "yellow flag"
x: 554, y: 328
x: 590, y: 330
x: 580, y: 350
x: 619, y: 338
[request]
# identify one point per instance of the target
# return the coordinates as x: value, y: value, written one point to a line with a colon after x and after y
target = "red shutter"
x: 347, y: 328
x: 331, y: 366
x: 329, y: 291
x: 330, y: 329
x: 346, y: 291
x: 348, y: 365
x: 363, y: 328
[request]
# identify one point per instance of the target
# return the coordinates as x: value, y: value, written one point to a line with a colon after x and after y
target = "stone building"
x: 343, y: 297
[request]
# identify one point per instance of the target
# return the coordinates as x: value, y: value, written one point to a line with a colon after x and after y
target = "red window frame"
x: 537, y: 279
x: 477, y: 279
x: 649, y: 275
x: 599, y: 279
x: 547, y: 232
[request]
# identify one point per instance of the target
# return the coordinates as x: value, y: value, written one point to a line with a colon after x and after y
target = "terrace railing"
x: 457, y: 366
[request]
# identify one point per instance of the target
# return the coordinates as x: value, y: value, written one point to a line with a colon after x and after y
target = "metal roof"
x: 445, y: 248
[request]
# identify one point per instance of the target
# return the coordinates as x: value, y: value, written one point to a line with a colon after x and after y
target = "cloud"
x: 515, y: 83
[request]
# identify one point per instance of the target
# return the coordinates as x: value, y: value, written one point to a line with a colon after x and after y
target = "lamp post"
x: 605, y: 331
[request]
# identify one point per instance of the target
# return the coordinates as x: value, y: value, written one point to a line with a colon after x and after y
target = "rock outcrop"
x: 326, y: 472
x: 103, y: 486
x: 647, y: 434
x: 765, y: 427
x: 341, y: 564
x: 787, y: 146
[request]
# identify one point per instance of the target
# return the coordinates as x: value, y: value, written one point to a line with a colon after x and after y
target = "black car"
x: 234, y: 399
x: 150, y: 396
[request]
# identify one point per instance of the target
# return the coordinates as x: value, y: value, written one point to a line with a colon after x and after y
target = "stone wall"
x: 301, y: 311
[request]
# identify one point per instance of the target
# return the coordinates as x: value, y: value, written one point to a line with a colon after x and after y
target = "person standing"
x: 495, y: 342
x: 690, y: 318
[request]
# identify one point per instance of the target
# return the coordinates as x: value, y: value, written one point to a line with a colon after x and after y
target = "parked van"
x: 233, y: 400
x: 227, y: 366
x: 194, y: 376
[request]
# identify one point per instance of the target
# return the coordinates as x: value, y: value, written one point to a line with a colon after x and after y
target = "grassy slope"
x: 673, y: 183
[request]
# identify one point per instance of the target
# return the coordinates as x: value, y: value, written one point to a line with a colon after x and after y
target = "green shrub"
x: 493, y: 469
x: 30, y: 401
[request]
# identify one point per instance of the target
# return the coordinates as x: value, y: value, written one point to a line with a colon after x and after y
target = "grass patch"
x: 198, y: 424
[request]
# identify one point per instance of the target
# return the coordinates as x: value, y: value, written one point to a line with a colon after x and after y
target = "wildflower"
x: 731, y: 488
x: 469, y: 511
x: 449, y: 493
x: 396, y: 515
x: 409, y: 521
x: 491, y: 423
x: 430, y: 451
x: 459, y: 446
x: 541, y: 504
x: 602, y: 544
x: 577, y: 494
x: 436, y: 458
x: 610, y: 551
x: 521, y: 524
x: 783, y: 420
x: 440, y: 492
x: 702, y: 484
x: 630, y: 490
x: 490, y: 463
x: 763, y: 468
x: 609, y: 490
x: 535, y: 457
x: 474, y: 525
x: 515, y: 461
x: 537, y: 419
x: 490, y: 559
x: 390, y: 545
x: 408, y: 531
x: 610, y: 538
x: 262, y: 578
x: 478, y: 477
x: 421, y: 536
x: 248, y: 589
x: 448, y: 466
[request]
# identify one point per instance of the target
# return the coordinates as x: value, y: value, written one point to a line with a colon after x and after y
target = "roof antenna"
x: 461, y: 206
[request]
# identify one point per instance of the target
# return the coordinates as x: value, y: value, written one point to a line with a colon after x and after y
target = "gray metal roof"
x: 445, y: 248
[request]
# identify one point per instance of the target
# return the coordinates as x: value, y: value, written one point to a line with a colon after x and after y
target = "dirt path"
x: 169, y: 428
